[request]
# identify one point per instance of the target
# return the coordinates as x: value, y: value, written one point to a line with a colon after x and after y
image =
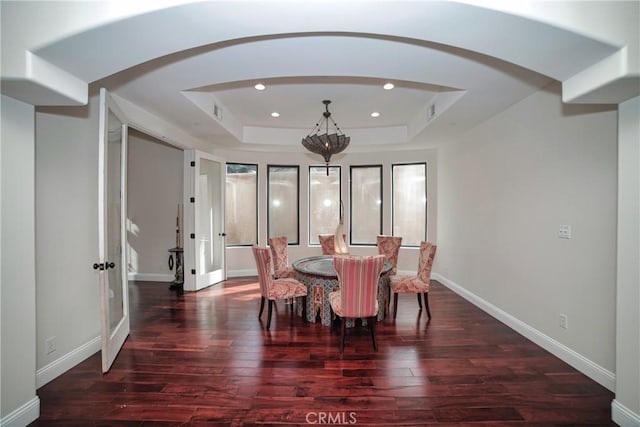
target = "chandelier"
x: 326, y: 144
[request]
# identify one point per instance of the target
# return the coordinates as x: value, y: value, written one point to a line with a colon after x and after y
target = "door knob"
x: 109, y: 265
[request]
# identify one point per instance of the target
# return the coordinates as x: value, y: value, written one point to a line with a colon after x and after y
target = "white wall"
x: 154, y: 192
x: 67, y: 296
x: 240, y: 261
x: 504, y: 190
x: 533, y: 167
x: 627, y: 404
x: 19, y: 403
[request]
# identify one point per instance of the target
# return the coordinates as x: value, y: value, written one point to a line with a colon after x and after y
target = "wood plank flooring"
x: 204, y: 359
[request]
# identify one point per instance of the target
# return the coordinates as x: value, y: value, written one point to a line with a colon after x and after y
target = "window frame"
x: 310, y: 241
x: 297, y: 168
x: 226, y: 170
x: 381, y: 197
x: 426, y: 189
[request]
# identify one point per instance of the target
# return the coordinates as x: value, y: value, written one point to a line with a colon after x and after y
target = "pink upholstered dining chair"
x: 418, y: 284
x: 358, y: 294
x: 275, y: 289
x: 327, y: 244
x: 281, y: 267
x: 389, y: 246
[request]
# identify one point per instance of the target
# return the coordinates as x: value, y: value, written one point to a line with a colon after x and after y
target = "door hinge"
x: 193, y: 271
x: 193, y: 164
x: 192, y: 199
x: 192, y: 235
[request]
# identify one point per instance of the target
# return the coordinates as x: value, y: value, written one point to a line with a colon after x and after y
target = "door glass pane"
x: 241, y: 204
x: 410, y: 203
x: 209, y: 219
x: 366, y: 204
x: 324, y: 201
x: 282, y: 213
x: 114, y: 219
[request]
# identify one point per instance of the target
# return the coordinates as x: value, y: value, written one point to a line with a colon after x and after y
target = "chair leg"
x: 426, y: 303
x: 372, y: 322
x: 261, y: 306
x: 419, y: 301
x: 332, y: 318
x: 395, y: 304
x: 269, y: 314
x: 343, y: 327
x: 304, y: 308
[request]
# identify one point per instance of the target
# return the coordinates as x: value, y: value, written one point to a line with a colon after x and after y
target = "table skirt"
x: 319, y: 288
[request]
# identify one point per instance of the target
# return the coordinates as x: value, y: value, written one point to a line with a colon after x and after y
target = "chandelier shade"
x: 326, y: 144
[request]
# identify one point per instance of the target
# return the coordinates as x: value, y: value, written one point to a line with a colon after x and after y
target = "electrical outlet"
x: 564, y: 321
x: 564, y: 232
x: 50, y: 345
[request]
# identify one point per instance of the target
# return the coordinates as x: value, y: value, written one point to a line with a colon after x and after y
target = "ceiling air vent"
x: 217, y: 112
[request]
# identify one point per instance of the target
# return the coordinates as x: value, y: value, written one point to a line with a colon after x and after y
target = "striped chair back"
x: 358, y: 278
x: 263, y: 260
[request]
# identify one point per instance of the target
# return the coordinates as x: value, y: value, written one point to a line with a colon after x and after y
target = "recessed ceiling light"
x: 260, y: 86
x: 375, y: 114
x: 275, y: 114
x: 388, y: 86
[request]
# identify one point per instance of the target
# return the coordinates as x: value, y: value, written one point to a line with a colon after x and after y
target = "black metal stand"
x: 178, y: 281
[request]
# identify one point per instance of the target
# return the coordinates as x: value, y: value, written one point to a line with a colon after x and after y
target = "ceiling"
x: 195, y: 65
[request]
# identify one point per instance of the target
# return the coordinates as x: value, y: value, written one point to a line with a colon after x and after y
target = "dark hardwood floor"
x: 204, y: 359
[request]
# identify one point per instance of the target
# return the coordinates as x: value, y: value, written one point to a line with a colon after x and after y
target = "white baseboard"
x: 66, y: 362
x: 623, y: 416
x: 24, y: 415
x: 242, y: 273
x: 591, y: 369
x: 151, y: 277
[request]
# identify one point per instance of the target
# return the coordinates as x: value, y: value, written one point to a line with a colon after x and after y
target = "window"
x: 241, y: 204
x: 283, y: 202
x: 409, y: 206
x: 366, y: 204
x: 324, y: 201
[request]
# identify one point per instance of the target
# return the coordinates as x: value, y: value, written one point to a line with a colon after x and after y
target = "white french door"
x: 204, y: 247
x: 111, y: 266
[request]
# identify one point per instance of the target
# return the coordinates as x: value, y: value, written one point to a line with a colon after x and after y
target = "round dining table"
x: 320, y: 278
